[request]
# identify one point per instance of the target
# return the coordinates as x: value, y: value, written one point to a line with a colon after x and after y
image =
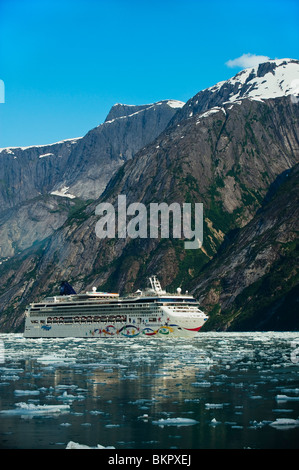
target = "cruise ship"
x: 152, y: 312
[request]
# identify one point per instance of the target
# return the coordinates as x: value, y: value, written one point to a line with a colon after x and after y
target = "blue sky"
x: 65, y: 63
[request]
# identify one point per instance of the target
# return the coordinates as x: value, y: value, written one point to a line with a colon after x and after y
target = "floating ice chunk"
x: 26, y: 392
x: 214, y: 405
x: 75, y: 445
x: 8, y: 370
x: 54, y: 359
x: 290, y: 390
x: 286, y: 398
x: 31, y: 409
x: 214, y: 422
x: 282, y: 410
x: 144, y: 417
x: 10, y: 377
x: 66, y: 396
x: 130, y: 377
x: 256, y: 425
x: 285, y: 423
x: 65, y: 387
x: 201, y: 384
x: 175, y: 422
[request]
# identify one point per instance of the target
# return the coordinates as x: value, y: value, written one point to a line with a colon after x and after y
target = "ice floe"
x: 31, y: 409
x: 175, y: 422
x: 286, y: 398
x: 26, y: 392
x: 76, y: 445
x: 117, y: 386
x: 285, y: 423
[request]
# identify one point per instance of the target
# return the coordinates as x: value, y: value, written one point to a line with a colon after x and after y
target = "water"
x: 218, y: 391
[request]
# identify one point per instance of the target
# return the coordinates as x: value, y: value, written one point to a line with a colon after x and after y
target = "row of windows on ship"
x: 138, y: 309
x: 93, y: 319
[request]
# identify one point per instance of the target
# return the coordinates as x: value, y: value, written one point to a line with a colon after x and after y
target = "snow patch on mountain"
x: 63, y: 192
x: 67, y: 141
x: 216, y: 109
x: 175, y: 104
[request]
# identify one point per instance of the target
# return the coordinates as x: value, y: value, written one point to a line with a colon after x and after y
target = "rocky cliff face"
x: 28, y: 172
x: 252, y: 283
x: 40, y: 185
x: 227, y: 157
x: 106, y: 148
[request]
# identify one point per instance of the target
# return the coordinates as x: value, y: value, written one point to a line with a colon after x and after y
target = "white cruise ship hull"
x: 103, y: 315
x: 111, y: 329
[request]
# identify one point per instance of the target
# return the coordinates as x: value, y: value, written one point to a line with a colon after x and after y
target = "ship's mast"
x: 155, y: 284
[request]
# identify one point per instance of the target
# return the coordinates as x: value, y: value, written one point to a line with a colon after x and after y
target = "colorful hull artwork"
x: 130, y: 331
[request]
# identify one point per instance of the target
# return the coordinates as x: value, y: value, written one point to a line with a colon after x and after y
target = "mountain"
x: 232, y: 155
x: 272, y: 79
x: 107, y: 147
x: 33, y: 180
x: 86, y: 163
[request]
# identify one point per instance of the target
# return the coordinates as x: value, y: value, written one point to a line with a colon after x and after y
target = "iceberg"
x: 76, y: 445
x: 175, y: 422
x: 26, y: 392
x: 31, y: 409
x: 286, y: 398
x: 285, y: 423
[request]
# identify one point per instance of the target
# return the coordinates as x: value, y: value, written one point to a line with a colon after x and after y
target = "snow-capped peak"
x: 271, y: 79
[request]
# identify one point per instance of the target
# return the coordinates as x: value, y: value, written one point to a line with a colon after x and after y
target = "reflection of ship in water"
x: 144, y: 377
x: 101, y: 314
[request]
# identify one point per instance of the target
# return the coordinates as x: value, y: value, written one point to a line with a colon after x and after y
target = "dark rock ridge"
x: 107, y: 147
x: 125, y: 110
x: 252, y: 284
